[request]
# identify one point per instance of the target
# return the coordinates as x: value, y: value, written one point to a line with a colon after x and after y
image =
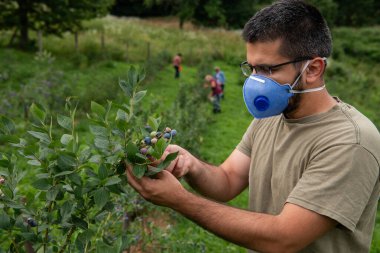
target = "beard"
x: 294, y: 101
x: 293, y: 105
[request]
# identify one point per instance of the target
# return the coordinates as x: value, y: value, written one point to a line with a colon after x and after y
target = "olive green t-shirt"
x: 327, y: 163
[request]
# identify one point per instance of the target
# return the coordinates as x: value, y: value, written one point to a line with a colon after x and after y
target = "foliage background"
x: 90, y: 69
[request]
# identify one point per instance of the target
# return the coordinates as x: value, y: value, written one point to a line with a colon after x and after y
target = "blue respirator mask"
x: 265, y: 97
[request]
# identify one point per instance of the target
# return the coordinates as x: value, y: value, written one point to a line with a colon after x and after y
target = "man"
x: 220, y: 78
x: 312, y: 170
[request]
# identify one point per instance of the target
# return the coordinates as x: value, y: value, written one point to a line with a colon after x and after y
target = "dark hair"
x: 301, y: 27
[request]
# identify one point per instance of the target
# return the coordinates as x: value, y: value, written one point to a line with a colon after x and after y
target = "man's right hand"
x: 184, y: 162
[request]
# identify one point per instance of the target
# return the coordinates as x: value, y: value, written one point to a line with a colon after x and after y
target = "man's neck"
x: 313, y: 103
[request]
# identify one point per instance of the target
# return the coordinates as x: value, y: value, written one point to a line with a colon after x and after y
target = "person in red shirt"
x: 216, y: 92
x: 177, y: 64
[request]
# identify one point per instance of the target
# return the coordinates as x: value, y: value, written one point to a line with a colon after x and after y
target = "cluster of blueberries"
x: 154, y: 136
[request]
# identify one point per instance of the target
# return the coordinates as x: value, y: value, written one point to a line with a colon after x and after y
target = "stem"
x: 47, y: 229
x: 68, y: 238
x: 13, y: 241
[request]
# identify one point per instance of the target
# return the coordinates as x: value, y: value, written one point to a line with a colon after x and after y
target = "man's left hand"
x: 164, y: 190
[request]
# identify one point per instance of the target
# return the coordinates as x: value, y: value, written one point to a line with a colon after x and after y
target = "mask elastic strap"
x: 299, y: 76
x: 308, y: 90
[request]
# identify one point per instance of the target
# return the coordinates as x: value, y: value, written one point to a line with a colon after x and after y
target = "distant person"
x: 177, y: 60
x: 220, y: 78
x: 311, y: 161
x: 216, y: 92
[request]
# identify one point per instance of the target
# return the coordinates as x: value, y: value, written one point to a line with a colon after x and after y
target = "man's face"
x: 266, y: 53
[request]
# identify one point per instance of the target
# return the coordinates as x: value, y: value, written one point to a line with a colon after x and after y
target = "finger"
x: 172, y: 165
x: 132, y: 180
x: 173, y: 148
x: 164, y: 174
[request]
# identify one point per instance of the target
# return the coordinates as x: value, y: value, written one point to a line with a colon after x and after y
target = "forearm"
x: 251, y: 230
x: 210, y: 181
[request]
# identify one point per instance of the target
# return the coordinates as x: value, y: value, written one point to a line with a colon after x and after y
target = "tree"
x: 48, y: 16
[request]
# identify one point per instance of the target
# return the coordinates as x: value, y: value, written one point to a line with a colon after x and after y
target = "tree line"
x: 57, y: 17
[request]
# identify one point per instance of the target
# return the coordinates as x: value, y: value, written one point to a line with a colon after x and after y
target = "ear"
x: 315, y: 70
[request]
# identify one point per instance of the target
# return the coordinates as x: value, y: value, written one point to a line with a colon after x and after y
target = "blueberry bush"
x: 78, y: 200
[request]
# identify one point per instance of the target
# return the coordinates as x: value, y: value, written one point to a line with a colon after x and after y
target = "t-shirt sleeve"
x: 245, y: 144
x: 338, y: 183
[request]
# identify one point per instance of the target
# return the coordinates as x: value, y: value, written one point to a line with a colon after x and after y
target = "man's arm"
x: 293, y: 229
x: 221, y: 183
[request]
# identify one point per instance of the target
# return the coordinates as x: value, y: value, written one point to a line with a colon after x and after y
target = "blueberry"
x: 167, y: 135
x: 168, y: 130
x: 158, y: 135
x: 147, y: 140
x: 154, y: 140
x: 32, y: 222
x: 153, y: 134
x: 148, y: 128
x: 143, y: 151
x: 2, y: 180
x: 173, y: 132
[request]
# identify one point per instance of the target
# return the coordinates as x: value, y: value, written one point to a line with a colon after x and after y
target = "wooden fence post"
x: 102, y: 40
x: 148, y: 50
x: 126, y: 51
x: 40, y: 45
x: 76, y: 41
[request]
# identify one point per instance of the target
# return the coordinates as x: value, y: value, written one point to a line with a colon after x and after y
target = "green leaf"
x: 152, y: 170
x: 5, y: 221
x: 101, y: 143
x: 67, y: 208
x: 75, y: 178
x: 141, y: 75
x: 79, y: 222
x: 121, y: 119
x: 102, y: 172
x: 98, y: 109
x: 138, y: 96
x: 167, y: 160
x: 43, y: 137
x: 52, y: 193
x: 139, y: 170
x: 7, y: 192
x: 99, y: 131
x: 34, y: 162
x: 4, y: 161
x: 38, y: 112
x: 64, y: 122
x: 66, y: 161
x: 29, y: 236
x: 42, y: 184
x: 126, y: 87
x: 160, y: 147
x: 132, y: 76
x: 84, y: 154
x: 63, y: 173
x: 153, y: 123
x: 101, y: 197
x: 154, y: 153
x: 66, y: 139
x: 7, y: 126
x: 112, y: 180
x: 131, y: 150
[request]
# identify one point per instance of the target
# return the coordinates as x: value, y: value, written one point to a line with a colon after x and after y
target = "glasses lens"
x: 263, y: 70
x: 246, y: 69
